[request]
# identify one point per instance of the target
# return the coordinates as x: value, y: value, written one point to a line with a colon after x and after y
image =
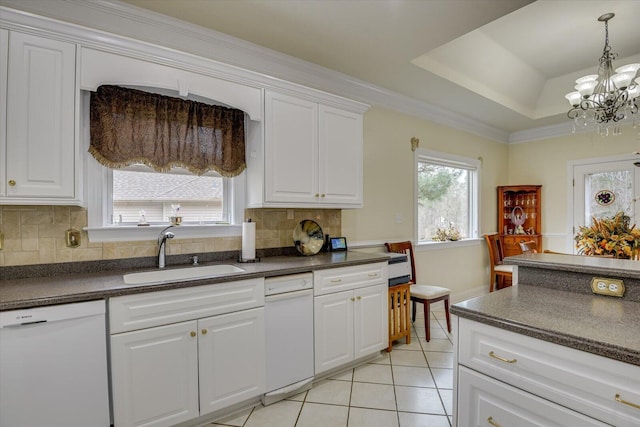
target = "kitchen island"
x: 549, y: 351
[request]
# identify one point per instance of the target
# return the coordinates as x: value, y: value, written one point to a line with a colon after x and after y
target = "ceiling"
x: 505, y: 63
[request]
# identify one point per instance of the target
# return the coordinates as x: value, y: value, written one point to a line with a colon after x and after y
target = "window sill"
x: 433, y: 246
x: 128, y: 233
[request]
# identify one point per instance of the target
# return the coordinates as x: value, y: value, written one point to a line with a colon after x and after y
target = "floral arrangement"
x: 444, y: 234
x: 609, y: 236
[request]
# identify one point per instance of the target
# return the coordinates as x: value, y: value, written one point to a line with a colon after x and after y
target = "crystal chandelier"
x: 602, y: 101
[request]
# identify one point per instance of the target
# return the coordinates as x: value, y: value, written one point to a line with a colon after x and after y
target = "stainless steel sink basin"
x: 180, y: 274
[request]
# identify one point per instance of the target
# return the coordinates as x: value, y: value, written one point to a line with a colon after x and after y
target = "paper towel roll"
x: 248, y: 240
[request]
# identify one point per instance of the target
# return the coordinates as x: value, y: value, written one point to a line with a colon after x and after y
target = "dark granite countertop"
x: 67, y: 288
x: 606, y: 326
x: 578, y: 264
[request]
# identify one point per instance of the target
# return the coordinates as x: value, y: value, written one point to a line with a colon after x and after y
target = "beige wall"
x: 388, y: 190
x: 545, y: 162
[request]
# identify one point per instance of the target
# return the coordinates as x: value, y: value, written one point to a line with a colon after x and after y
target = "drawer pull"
x: 336, y: 280
x: 373, y: 274
x: 626, y: 402
x: 502, y: 359
x: 493, y: 423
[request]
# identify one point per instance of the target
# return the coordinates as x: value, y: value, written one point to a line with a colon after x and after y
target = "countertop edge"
x: 583, y: 344
x: 115, y: 285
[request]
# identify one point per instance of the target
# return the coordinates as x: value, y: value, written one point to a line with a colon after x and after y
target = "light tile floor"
x: 411, y: 386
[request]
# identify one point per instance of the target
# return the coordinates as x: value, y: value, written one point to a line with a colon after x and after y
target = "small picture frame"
x: 337, y: 244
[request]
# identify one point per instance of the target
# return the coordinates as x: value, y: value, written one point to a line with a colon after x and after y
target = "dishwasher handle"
x: 288, y: 295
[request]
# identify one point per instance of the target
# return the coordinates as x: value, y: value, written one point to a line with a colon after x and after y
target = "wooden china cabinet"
x: 519, y: 217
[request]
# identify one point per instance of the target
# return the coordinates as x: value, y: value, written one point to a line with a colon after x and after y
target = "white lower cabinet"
x: 488, y: 402
x: 349, y: 324
x: 167, y: 374
x: 517, y: 380
x: 231, y: 359
x: 155, y: 375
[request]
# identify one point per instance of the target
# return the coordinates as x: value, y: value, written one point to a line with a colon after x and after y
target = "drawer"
x: 346, y: 278
x: 484, y: 401
x: 131, y: 312
x: 511, y: 243
x: 582, y: 381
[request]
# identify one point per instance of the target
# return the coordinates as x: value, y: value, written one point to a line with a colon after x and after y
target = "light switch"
x: 73, y: 238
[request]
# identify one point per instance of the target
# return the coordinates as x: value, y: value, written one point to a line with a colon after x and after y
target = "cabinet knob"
x: 358, y: 297
x: 12, y: 183
x: 193, y: 333
x: 204, y: 332
x: 317, y: 195
x: 353, y: 299
x: 322, y: 195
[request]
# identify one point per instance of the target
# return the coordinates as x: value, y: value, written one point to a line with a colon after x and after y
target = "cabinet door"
x: 231, y: 358
x: 4, y: 56
x: 40, y: 118
x: 333, y: 330
x: 291, y: 149
x: 371, y: 320
x: 155, y: 375
x: 485, y: 401
x: 340, y: 156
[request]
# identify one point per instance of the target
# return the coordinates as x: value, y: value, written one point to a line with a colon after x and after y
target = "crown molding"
x: 124, y: 20
x: 546, y: 132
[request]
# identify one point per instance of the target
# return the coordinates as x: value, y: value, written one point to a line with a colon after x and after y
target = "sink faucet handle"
x: 194, y: 259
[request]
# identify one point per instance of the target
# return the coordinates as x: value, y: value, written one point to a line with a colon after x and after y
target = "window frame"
x: 474, y: 166
x: 99, y: 181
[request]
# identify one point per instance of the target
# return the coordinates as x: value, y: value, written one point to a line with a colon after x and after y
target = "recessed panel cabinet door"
x: 4, y: 56
x: 155, y: 375
x: 40, y: 118
x: 371, y: 317
x: 340, y: 155
x: 291, y: 149
x: 333, y: 329
x: 232, y: 358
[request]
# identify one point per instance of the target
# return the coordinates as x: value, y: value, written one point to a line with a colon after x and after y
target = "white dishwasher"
x: 288, y: 313
x: 53, y: 366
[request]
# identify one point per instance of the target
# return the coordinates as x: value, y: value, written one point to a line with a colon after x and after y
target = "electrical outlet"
x: 610, y: 287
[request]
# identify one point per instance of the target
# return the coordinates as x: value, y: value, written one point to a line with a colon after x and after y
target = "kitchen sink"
x: 180, y: 274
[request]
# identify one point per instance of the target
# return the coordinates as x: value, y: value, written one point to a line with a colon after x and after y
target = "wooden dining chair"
x: 529, y: 247
x: 499, y: 271
x: 424, y: 294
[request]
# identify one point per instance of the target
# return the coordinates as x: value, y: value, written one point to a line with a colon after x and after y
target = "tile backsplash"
x: 37, y: 235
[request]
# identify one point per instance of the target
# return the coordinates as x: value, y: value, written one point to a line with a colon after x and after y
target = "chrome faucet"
x: 162, y: 243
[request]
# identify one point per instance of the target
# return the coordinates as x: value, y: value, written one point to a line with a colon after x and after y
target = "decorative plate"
x: 605, y: 197
x: 308, y: 237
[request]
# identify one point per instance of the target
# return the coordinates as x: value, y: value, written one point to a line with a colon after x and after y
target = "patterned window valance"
x: 131, y: 126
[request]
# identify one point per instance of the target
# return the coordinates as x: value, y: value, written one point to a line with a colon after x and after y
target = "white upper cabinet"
x: 42, y: 164
x: 340, y: 156
x: 291, y: 149
x: 312, y: 155
x: 4, y: 55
